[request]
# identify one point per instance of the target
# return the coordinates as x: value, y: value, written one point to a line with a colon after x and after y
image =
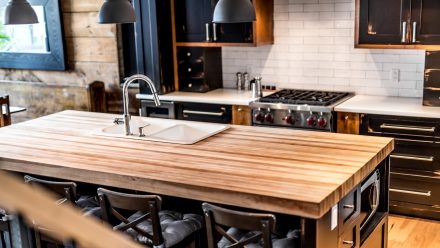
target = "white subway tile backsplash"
x: 314, y: 49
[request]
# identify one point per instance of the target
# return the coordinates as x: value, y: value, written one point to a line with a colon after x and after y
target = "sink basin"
x: 164, y: 130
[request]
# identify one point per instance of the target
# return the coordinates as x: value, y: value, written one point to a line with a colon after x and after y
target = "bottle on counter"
x: 259, y: 86
x: 240, y: 84
x: 246, y: 84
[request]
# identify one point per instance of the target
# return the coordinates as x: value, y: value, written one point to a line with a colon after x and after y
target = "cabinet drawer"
x: 351, y: 236
x: 416, y: 155
x: 204, y: 112
x: 405, y: 128
x: 349, y: 208
x: 415, y: 188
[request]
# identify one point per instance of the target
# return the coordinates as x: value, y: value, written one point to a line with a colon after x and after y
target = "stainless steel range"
x: 306, y: 109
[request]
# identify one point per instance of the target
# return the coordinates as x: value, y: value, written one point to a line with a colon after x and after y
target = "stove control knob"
x: 311, y: 121
x: 322, y: 122
x: 259, y: 117
x: 268, y: 117
x: 288, y: 119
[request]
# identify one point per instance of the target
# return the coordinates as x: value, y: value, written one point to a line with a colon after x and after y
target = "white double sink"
x: 164, y: 130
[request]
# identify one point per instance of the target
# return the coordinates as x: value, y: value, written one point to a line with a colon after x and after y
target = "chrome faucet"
x: 125, y: 99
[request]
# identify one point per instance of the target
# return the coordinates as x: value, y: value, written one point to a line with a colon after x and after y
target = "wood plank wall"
x: 92, y: 54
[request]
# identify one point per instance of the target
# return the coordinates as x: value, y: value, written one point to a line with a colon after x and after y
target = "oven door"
x: 370, y: 195
x: 166, y: 110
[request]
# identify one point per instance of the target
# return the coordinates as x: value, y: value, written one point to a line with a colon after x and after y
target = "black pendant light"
x: 19, y: 12
x: 117, y: 11
x: 234, y: 11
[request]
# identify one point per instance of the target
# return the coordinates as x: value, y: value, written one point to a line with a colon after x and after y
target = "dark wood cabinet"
x: 199, y: 69
x: 191, y: 19
x: 398, y: 24
x: 194, y: 27
x: 425, y: 22
x: 383, y: 21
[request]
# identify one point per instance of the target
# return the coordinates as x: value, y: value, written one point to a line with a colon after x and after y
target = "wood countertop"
x: 278, y: 170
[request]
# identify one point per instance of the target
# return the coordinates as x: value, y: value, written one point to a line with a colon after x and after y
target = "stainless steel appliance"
x: 370, y: 193
x: 166, y: 110
x: 307, y: 109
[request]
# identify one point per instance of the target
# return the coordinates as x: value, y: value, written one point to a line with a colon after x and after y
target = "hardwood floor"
x: 407, y: 232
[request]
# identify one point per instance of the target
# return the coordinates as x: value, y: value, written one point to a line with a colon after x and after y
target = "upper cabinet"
x: 398, y: 24
x: 425, y: 20
x: 194, y: 27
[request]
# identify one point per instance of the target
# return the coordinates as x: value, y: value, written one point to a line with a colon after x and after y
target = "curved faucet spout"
x: 126, y: 101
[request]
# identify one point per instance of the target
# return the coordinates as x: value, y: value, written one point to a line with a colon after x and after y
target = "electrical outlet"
x: 395, y: 75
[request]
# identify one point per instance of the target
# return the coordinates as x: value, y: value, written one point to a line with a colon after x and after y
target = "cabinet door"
x: 241, y: 115
x: 384, y: 21
x: 191, y: 17
x: 425, y: 28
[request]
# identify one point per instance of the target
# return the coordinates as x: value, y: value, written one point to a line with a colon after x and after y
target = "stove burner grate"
x: 309, y: 97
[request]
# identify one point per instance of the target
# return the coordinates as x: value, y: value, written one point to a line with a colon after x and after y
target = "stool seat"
x: 290, y: 240
x: 89, y: 205
x: 175, y: 227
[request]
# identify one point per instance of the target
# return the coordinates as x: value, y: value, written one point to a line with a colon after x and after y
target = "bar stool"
x: 5, y: 232
x: 5, y: 113
x: 245, y: 230
x: 66, y: 192
x: 149, y: 225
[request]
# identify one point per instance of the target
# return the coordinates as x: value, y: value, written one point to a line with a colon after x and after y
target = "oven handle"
x: 408, y: 128
x: 411, y: 192
x: 409, y: 157
x: 203, y: 113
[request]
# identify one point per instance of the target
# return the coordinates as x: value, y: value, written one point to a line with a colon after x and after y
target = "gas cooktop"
x: 309, y: 97
x: 308, y: 109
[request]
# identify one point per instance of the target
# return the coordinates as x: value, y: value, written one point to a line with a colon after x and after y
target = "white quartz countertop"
x: 219, y: 96
x: 387, y: 105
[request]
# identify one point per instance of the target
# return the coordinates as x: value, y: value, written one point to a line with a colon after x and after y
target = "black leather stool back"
x: 150, y: 205
x: 218, y: 218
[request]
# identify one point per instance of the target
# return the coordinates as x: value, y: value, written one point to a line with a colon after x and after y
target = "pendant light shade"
x: 117, y: 11
x: 19, y: 12
x: 234, y: 11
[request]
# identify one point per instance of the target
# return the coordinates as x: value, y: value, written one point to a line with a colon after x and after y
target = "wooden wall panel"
x: 85, y: 49
x: 81, y: 5
x: 86, y: 25
x: 43, y: 99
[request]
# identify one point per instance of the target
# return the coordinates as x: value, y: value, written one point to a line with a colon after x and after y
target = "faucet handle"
x: 119, y: 121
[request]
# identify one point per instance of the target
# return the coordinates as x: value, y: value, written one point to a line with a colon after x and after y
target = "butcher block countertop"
x: 278, y: 170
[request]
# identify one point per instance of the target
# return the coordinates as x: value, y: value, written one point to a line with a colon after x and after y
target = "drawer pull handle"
x: 413, y: 140
x: 404, y: 29
x: 426, y: 159
x: 428, y: 193
x: 348, y: 242
x: 408, y: 128
x: 203, y: 113
x: 349, y: 206
x: 414, y: 34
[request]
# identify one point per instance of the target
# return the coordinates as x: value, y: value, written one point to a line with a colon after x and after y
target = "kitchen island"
x: 298, y: 173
